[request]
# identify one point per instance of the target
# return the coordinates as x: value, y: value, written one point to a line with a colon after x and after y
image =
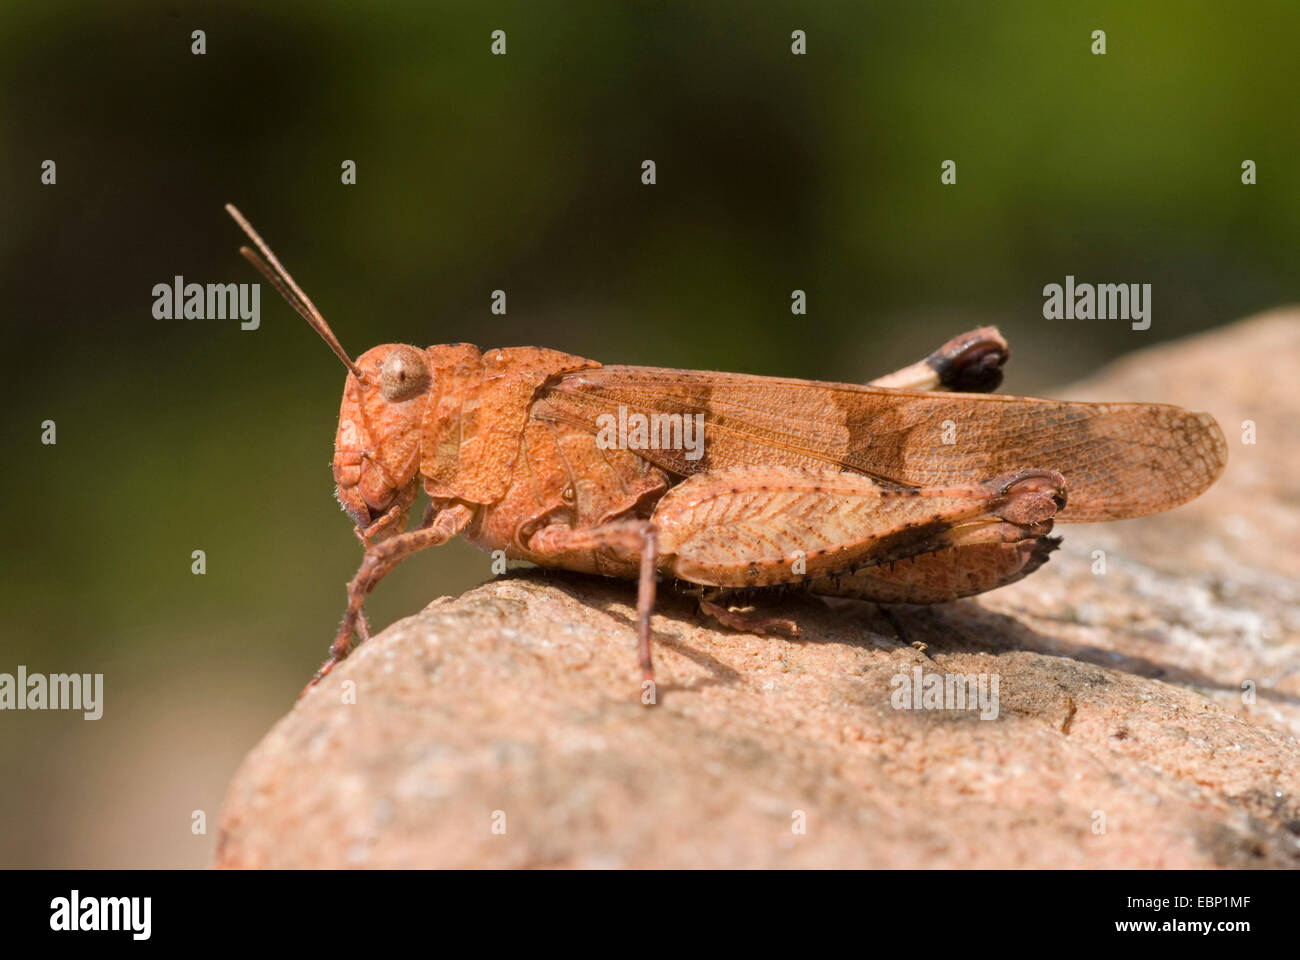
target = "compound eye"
x: 404, y: 374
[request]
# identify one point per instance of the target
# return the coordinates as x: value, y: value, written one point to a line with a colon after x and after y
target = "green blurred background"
x: 477, y: 172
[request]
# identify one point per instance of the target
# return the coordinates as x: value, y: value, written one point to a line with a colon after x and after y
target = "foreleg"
x: 391, y: 520
x: 379, y: 561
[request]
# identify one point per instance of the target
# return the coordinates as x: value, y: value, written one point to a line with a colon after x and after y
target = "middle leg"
x: 628, y: 540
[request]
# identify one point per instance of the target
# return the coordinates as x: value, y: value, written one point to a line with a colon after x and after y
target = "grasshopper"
x: 919, y: 487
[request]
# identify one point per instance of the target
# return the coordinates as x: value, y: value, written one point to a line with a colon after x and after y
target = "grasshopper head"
x: 377, y: 446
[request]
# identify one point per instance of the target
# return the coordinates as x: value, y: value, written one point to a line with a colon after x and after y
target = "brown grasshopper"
x: 919, y: 487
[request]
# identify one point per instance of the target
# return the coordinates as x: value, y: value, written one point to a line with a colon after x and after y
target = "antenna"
x: 278, y: 277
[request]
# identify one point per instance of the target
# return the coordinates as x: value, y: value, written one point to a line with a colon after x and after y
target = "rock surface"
x: 504, y: 728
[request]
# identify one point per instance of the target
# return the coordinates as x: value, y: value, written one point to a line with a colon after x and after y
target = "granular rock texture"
x: 1146, y: 712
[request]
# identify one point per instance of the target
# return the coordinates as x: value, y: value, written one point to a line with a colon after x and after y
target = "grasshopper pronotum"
x: 919, y: 487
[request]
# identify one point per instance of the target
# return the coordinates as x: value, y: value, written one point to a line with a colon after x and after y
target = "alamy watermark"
x: 179, y: 300
x: 1103, y: 301
x: 76, y: 913
x: 55, y: 691
x: 946, y: 691
x: 657, y: 431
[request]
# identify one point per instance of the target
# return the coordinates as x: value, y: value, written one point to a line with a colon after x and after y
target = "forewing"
x: 1119, y: 459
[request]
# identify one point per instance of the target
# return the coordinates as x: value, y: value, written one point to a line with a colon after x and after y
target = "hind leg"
x: 942, y: 575
x: 747, y: 622
x: 970, y: 362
